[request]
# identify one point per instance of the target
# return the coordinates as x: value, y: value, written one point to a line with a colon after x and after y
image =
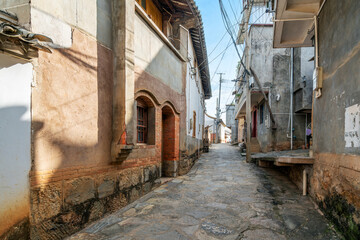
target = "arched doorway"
x: 168, y: 153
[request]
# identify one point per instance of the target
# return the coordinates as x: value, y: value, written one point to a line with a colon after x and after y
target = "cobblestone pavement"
x: 221, y: 198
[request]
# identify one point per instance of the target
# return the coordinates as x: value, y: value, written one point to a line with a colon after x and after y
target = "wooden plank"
x: 279, y: 164
x: 296, y: 160
x: 170, y: 5
x: 268, y: 159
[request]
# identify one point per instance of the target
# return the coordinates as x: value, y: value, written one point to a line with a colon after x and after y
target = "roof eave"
x: 202, y: 52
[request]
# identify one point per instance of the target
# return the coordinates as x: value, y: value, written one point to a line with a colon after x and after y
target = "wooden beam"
x: 169, y: 4
x: 296, y: 160
x: 279, y: 164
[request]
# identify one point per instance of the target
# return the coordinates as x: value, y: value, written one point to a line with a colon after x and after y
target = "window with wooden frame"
x: 142, y: 3
x: 142, y: 123
x: 152, y: 11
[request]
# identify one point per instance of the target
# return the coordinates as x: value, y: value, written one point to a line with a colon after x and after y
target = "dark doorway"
x: 254, y: 124
x: 168, y: 156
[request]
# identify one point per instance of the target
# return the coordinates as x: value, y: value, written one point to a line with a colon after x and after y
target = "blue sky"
x: 214, y: 32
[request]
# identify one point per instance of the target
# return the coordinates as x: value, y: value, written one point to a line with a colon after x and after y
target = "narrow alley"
x: 222, y: 197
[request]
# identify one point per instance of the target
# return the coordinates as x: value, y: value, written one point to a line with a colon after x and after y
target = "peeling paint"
x: 352, y: 126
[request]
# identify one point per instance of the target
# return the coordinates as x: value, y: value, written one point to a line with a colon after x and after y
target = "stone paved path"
x: 221, y: 198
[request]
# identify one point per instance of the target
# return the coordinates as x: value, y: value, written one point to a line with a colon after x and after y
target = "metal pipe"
x: 306, y: 120
x: 321, y: 7
x: 291, y: 96
x: 316, y: 42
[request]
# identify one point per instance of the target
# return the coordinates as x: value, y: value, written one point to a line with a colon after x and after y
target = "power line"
x: 220, y: 62
x: 232, y: 9
x: 214, y: 48
x: 226, y: 21
x: 237, y: 22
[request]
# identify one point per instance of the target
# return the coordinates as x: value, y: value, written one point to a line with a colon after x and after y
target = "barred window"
x: 142, y: 124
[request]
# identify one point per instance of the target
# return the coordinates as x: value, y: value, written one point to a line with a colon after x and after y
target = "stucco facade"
x: 336, y: 174
x: 16, y: 77
x: 82, y: 157
x: 334, y: 178
x: 272, y: 67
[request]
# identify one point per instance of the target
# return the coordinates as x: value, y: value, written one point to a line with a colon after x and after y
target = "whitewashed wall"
x: 194, y: 96
x: 56, y: 18
x: 15, y: 140
x: 155, y: 57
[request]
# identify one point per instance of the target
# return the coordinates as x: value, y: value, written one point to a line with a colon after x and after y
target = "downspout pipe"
x: 291, y: 97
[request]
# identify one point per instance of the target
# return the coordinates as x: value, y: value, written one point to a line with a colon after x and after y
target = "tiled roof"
x: 18, y: 41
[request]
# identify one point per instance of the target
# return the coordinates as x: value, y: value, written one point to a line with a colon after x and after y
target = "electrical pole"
x: 218, y: 109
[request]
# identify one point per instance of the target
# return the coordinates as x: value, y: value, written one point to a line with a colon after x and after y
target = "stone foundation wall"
x: 187, y: 162
x: 61, y: 208
x: 335, y: 186
x: 19, y: 231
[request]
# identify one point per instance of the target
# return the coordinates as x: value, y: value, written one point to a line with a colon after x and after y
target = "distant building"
x: 231, y: 122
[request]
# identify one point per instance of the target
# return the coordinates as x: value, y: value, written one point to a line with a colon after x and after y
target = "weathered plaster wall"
x: 241, y: 129
x: 335, y: 183
x: 263, y: 130
x: 272, y: 66
x: 194, y: 104
x: 19, y: 7
x: 91, y: 16
x: 194, y: 96
x: 232, y: 123
x: 72, y: 104
x: 155, y: 57
x: 303, y: 79
x: 261, y: 53
x: 15, y: 141
x: 73, y: 179
x: 58, y: 18
x: 281, y: 86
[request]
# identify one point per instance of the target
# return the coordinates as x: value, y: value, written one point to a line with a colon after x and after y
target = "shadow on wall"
x: 77, y: 110
x: 14, y: 167
x: 72, y: 131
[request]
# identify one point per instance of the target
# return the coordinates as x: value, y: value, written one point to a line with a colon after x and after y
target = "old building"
x: 232, y: 123
x: 279, y: 79
x: 330, y: 26
x: 91, y: 126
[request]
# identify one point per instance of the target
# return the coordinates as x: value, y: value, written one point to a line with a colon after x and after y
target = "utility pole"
x: 248, y: 120
x: 218, y: 109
